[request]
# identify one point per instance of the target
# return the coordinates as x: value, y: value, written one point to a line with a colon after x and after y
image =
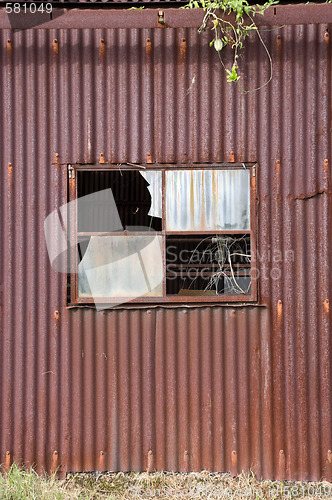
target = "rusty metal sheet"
x: 222, y: 388
x: 279, y: 15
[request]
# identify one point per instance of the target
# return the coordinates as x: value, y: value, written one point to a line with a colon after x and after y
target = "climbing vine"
x: 225, y: 32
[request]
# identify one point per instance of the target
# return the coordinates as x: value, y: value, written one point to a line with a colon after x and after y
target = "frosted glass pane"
x: 121, y: 266
x: 207, y: 200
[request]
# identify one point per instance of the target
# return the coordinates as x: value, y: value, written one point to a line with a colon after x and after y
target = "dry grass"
x: 19, y: 484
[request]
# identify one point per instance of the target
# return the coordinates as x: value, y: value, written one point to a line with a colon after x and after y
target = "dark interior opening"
x: 208, y: 264
x: 131, y: 196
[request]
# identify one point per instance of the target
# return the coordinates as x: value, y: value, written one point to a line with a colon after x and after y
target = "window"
x: 162, y: 233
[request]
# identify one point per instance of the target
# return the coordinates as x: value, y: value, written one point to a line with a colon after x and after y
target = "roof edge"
x: 278, y: 15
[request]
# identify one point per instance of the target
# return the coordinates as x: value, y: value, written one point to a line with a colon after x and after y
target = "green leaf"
x: 232, y: 75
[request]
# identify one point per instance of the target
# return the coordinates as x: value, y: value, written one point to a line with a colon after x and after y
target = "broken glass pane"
x: 113, y: 198
x: 208, y: 264
x: 154, y: 186
x: 208, y: 200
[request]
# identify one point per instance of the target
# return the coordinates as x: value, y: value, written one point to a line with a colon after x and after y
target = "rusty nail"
x: 186, y: 452
x: 161, y: 17
x: 101, y: 453
x: 281, y: 452
x: 183, y: 47
x: 56, y: 315
x: 10, y: 168
x: 232, y: 157
x: 327, y: 305
x: 101, y: 158
x: 148, y: 311
x: 149, y: 158
x: 56, y: 158
x: 55, y: 452
x: 7, y: 452
x: 55, y: 46
x: 327, y: 37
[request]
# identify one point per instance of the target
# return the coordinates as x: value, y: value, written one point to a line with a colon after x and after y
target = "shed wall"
x: 221, y: 388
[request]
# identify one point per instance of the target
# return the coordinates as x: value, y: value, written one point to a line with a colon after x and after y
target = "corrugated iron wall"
x: 221, y: 388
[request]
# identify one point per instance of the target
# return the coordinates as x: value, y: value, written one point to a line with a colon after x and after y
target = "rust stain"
x: 101, y: 461
x: 326, y: 165
x: 101, y: 158
x: 7, y: 461
x: 329, y: 456
x: 150, y: 467
x: 254, y: 183
x: 183, y: 49
x: 72, y: 185
x: 10, y: 175
x: 282, y: 465
x: 232, y: 157
x: 149, y: 158
x: 234, y: 462
x: 278, y: 167
x: 327, y: 37
x: 55, y: 462
x: 56, y: 315
x: 148, y: 46
x: 102, y: 48
x: 327, y: 470
x: 9, y: 47
x: 56, y: 159
x: 55, y: 46
x: 186, y: 460
x: 279, y: 313
x: 279, y: 41
x: 326, y: 174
